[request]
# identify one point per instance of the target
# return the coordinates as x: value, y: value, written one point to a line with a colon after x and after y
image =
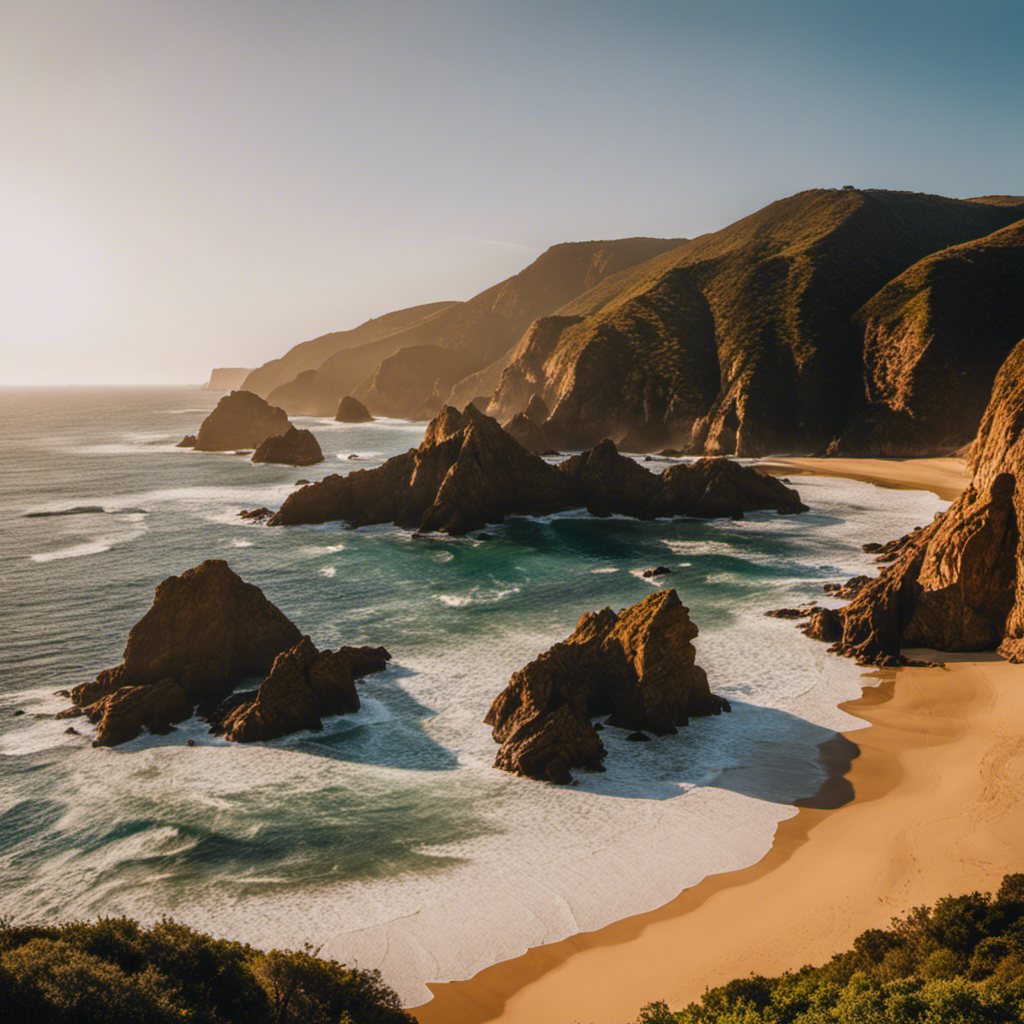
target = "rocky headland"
x: 207, y: 631
x: 292, y: 448
x: 828, y: 320
x: 240, y: 420
x: 637, y: 666
x: 226, y: 378
x: 956, y: 584
x: 468, y: 471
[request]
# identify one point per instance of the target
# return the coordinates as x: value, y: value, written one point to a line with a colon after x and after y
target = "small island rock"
x: 638, y: 665
x: 351, y: 410
x: 241, y: 420
x: 292, y: 448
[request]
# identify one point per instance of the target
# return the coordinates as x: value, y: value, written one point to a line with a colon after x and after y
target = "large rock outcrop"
x: 957, y: 584
x: 303, y: 686
x: 240, y: 420
x: 468, y: 471
x: 292, y: 448
x: 207, y: 631
x: 638, y: 666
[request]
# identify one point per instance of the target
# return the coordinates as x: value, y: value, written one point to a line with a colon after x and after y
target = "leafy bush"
x: 959, y: 962
x: 116, y: 970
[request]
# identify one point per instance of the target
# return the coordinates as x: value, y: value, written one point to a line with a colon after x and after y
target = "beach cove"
x: 936, y: 810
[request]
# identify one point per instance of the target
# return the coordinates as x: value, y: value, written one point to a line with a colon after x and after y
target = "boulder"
x: 292, y: 448
x: 351, y: 410
x: 207, y: 630
x: 122, y: 715
x: 638, y: 666
x: 240, y: 420
x: 536, y: 410
x: 304, y: 684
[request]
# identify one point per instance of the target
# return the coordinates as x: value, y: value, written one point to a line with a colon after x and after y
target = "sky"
x: 186, y: 185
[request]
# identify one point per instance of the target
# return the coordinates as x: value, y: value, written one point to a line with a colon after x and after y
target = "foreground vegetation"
x: 117, y: 972
x: 959, y: 962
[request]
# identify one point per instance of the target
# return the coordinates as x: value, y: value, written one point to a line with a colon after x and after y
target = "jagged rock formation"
x: 207, y: 631
x: 188, y: 441
x: 240, y: 420
x: 410, y: 372
x: 304, y: 685
x: 942, y: 328
x: 351, y: 410
x: 957, y: 584
x: 226, y: 378
x: 292, y: 448
x: 637, y: 666
x: 468, y: 471
x: 527, y: 433
x: 123, y: 714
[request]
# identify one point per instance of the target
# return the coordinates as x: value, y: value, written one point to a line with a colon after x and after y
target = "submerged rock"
x: 292, y: 448
x: 241, y: 420
x: 638, y: 665
x: 468, y: 471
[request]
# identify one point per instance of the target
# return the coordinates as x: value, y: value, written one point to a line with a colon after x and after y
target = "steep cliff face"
x: 308, y: 355
x: 958, y: 584
x: 226, y: 378
x: 472, y: 334
x: 638, y: 666
x: 780, y: 289
x: 644, y: 369
x: 934, y: 339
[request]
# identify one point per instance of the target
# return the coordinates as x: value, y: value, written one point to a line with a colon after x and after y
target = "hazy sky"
x: 190, y: 184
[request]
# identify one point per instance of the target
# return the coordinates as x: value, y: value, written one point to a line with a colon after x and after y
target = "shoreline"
x: 935, y: 811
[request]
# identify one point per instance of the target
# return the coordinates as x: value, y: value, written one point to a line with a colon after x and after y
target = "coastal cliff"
x: 957, y: 584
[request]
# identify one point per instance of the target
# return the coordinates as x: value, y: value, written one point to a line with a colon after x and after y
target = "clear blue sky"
x: 189, y: 184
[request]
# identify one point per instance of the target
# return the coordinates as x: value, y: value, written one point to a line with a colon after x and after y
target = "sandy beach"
x: 936, y: 809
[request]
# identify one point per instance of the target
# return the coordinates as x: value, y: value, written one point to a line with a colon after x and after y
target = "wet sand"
x: 937, y: 809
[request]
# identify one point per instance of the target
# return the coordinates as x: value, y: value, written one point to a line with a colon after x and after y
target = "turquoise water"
x: 387, y: 837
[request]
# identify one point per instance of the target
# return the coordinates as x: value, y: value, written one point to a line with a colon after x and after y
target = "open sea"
x: 388, y: 839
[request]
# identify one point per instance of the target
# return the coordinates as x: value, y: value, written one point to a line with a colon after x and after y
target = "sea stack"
x: 638, y: 666
x: 241, y: 420
x: 207, y: 631
x: 292, y: 448
x: 351, y: 410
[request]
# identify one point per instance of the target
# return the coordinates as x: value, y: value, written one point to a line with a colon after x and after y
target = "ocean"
x: 387, y: 840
